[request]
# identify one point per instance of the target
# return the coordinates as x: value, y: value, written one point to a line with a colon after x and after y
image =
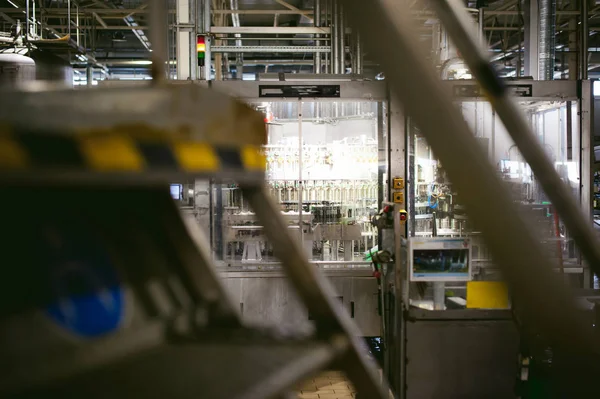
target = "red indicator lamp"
x: 201, y: 49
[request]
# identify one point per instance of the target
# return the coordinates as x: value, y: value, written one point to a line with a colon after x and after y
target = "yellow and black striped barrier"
x: 116, y: 150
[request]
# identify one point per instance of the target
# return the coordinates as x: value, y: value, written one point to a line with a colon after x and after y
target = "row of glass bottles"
x: 342, y: 191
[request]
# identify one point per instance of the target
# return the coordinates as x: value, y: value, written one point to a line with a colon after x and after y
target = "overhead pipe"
x: 341, y: 40
x: 547, y: 46
x: 27, y: 19
x: 334, y: 36
x: 352, y: 45
x: 358, y: 54
x: 585, y: 34
x: 235, y: 19
x: 317, y: 66
x: 158, y: 39
x: 327, y: 22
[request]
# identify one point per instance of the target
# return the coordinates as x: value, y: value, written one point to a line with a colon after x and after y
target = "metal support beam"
x: 109, y: 27
x: 207, y: 70
x: 100, y: 20
x: 547, y: 47
x: 572, y: 61
x: 295, y: 9
x: 341, y: 37
x: 531, y: 44
x: 334, y: 36
x: 585, y: 34
x: 89, y: 74
x: 185, y: 41
x: 271, y: 49
x: 317, y: 66
x: 359, y: 54
x: 158, y: 38
x: 269, y: 30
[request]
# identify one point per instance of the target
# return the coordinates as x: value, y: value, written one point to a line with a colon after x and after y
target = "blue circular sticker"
x: 90, y: 298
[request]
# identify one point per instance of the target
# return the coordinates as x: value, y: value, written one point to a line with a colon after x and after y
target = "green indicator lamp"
x: 201, y: 49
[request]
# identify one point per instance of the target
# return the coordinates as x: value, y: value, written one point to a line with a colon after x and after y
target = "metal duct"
x: 341, y: 28
x: 547, y: 46
x: 334, y: 36
x: 317, y: 66
x: 235, y: 20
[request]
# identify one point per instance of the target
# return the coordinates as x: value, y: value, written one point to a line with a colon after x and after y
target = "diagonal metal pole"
x: 542, y: 297
x: 461, y: 28
x: 316, y: 293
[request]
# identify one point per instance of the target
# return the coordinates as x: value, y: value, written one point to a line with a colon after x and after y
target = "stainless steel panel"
x: 461, y: 359
x: 349, y: 90
x: 272, y: 301
x: 267, y: 298
x: 558, y: 90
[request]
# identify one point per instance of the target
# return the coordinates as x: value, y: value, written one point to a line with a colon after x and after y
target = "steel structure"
x: 132, y: 144
x: 524, y: 265
x: 112, y: 136
x: 98, y: 28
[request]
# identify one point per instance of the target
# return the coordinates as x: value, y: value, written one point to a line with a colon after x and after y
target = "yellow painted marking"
x: 253, y: 159
x: 11, y: 153
x: 487, y: 295
x: 196, y: 156
x: 111, y: 152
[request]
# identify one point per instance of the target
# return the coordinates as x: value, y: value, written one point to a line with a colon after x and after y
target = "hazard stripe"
x: 193, y: 156
x: 51, y: 151
x: 113, y: 152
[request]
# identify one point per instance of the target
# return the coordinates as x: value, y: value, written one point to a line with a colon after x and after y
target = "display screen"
x: 176, y: 191
x: 441, y: 260
x: 446, y: 261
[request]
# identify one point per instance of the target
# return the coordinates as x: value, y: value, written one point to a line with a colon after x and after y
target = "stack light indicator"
x: 201, y: 49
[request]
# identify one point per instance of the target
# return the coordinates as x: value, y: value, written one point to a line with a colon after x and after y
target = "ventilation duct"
x: 547, y: 45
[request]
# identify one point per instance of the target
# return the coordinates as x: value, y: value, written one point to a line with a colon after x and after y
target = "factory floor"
x: 328, y: 385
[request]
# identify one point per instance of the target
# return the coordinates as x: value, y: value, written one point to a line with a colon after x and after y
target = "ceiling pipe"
x: 317, y: 66
x: 547, y: 46
x: 334, y: 36
x: 341, y: 28
x: 235, y: 20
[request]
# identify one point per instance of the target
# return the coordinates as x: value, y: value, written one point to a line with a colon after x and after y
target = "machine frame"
x: 419, y: 325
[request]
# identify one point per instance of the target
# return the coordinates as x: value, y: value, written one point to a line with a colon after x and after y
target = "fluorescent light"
x: 597, y: 88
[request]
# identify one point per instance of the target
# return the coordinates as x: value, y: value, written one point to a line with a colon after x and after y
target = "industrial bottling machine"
x: 112, y: 292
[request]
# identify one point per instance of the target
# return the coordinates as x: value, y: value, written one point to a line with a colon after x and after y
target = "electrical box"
x: 398, y: 183
x: 399, y: 198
